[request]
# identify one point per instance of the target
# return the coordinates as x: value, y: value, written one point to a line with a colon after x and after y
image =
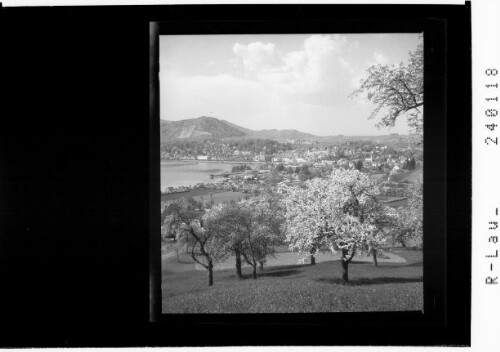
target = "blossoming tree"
x: 209, y: 246
x: 396, y: 90
x: 260, y: 227
x: 226, y: 219
x: 341, y: 213
x: 409, y: 223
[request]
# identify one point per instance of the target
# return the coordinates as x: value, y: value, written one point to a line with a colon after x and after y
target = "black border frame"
x: 435, y: 154
x: 76, y: 157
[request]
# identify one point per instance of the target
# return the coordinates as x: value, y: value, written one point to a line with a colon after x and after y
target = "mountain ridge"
x: 210, y: 127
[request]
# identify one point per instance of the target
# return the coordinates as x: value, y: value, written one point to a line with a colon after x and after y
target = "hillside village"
x: 392, y: 164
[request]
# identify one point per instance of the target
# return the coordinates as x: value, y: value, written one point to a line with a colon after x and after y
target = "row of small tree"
x: 250, y: 229
x: 340, y: 213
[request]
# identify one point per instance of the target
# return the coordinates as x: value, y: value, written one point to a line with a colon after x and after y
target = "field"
x: 392, y: 286
x: 221, y: 197
x: 203, y: 194
x: 192, y: 193
x: 409, y: 175
x: 394, y: 202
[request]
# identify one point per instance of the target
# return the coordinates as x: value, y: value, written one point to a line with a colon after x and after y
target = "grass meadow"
x: 218, y: 196
x: 295, y: 288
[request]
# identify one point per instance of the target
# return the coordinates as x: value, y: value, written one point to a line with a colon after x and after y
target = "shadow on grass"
x: 371, y: 281
x: 404, y: 265
x: 281, y: 273
x: 185, y: 262
x: 287, y: 267
x: 388, y: 264
x: 358, y: 262
x: 277, y: 271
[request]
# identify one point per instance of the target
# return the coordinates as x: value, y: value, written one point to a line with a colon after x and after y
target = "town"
x: 390, y: 161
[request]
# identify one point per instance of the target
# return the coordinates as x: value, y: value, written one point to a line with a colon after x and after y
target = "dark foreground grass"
x: 296, y: 288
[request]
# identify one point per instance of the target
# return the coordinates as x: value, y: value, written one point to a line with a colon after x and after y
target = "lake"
x: 178, y: 173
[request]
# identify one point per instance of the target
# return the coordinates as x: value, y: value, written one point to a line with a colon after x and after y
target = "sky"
x: 283, y: 81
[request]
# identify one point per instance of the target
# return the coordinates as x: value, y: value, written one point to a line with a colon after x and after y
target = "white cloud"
x: 380, y: 58
x: 295, y: 60
x: 265, y: 86
x: 257, y: 56
x: 316, y: 74
x: 273, y: 90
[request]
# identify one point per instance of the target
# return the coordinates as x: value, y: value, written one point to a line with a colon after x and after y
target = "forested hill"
x: 284, y: 134
x: 201, y: 127
x: 211, y: 127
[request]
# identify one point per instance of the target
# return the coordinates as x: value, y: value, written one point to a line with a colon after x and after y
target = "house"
x: 265, y: 157
x: 202, y: 157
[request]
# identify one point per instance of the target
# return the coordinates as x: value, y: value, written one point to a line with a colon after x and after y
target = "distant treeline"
x: 240, y: 168
x: 266, y: 146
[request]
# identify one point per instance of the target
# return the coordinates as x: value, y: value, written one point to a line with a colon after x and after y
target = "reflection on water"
x: 175, y: 173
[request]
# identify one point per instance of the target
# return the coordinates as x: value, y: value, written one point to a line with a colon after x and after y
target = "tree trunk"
x: 238, y: 263
x: 313, y: 260
x: 261, y: 266
x: 345, y: 271
x: 374, y: 254
x: 254, y: 273
x: 210, y: 274
x: 345, y: 266
x: 403, y: 243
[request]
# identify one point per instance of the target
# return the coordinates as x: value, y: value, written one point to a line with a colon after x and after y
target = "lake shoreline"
x: 178, y: 173
x: 209, y: 161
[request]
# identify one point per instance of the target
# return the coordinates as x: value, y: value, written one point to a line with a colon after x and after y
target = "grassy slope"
x: 219, y: 196
x: 192, y: 193
x: 411, y: 175
x: 296, y: 288
x: 222, y: 197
